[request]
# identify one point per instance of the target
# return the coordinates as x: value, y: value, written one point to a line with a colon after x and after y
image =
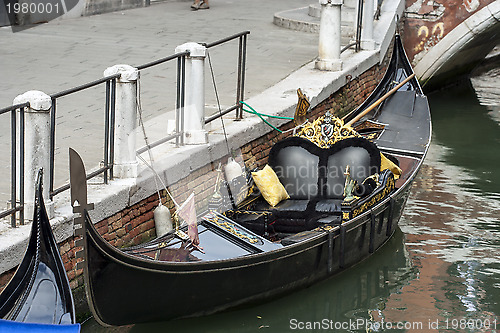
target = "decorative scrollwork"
x: 232, y: 228
x: 326, y: 130
x: 376, y: 199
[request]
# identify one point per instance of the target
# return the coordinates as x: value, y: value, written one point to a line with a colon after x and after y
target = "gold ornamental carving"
x: 376, y: 199
x: 326, y: 130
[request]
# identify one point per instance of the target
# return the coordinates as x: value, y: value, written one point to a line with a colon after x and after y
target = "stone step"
x: 307, y: 19
x: 348, y: 11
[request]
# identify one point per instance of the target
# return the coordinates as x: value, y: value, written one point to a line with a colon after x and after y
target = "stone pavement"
x: 63, y: 54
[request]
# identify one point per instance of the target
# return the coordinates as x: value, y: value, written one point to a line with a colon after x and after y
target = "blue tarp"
x: 7, y: 326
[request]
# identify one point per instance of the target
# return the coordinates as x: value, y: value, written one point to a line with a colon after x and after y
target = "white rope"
x: 157, y: 176
x: 218, y: 102
x: 151, y: 164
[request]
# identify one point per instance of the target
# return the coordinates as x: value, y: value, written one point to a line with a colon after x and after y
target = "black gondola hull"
x: 39, y: 293
x: 125, y: 289
x: 194, y: 289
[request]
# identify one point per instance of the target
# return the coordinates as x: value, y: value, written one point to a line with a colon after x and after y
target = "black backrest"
x: 296, y: 163
x: 363, y: 158
x: 310, y: 172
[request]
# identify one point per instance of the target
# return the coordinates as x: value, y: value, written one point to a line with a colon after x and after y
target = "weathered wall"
x: 446, y: 39
x: 135, y: 224
x: 427, y: 22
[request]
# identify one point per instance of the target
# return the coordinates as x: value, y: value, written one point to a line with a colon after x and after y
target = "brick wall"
x: 5, y: 277
x: 135, y: 224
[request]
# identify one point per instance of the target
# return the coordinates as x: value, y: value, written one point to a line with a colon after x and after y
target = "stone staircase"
x: 307, y: 19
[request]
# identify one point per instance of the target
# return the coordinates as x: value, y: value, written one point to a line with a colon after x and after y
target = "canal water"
x: 439, y: 273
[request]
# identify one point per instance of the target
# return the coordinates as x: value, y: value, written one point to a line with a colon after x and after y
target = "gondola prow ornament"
x: 302, y: 106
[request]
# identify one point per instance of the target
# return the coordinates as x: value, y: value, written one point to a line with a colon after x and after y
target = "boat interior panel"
x: 405, y: 132
x: 408, y: 165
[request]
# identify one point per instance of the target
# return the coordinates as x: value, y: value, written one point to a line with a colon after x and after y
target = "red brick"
x: 71, y: 253
x: 119, y: 243
x: 103, y: 229
x: 71, y: 275
x: 110, y: 236
x: 151, y: 205
x: 120, y: 232
x: 116, y: 225
x: 68, y: 266
x: 134, y: 233
x: 5, y: 277
x: 65, y: 247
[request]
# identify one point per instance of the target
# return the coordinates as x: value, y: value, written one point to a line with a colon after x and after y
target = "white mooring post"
x: 37, y: 148
x: 329, y: 36
x: 194, y: 100
x: 367, y: 42
x: 125, y: 161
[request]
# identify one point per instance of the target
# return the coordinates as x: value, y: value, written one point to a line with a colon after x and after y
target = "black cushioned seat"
x: 314, y: 179
x: 258, y: 222
x: 328, y: 206
x: 291, y: 208
x: 330, y: 219
x: 290, y: 225
x: 289, y: 216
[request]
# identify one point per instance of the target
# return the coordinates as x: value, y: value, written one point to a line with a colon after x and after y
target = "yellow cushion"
x: 386, y: 163
x: 269, y: 186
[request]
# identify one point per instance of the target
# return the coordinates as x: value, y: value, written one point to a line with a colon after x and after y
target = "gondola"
x: 38, y: 298
x: 256, y: 250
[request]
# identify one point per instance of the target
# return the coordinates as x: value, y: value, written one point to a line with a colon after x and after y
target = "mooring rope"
x: 261, y: 115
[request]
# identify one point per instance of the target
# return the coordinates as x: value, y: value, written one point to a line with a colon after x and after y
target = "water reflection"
x: 469, y: 133
x: 451, y: 221
x: 452, y: 237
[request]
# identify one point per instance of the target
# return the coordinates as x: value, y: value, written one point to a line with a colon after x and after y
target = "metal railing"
x: 357, y: 34
x: 359, y: 25
x: 109, y: 130
x: 240, y: 84
x: 18, y: 111
x: 16, y: 204
x: 178, y: 135
x: 379, y: 6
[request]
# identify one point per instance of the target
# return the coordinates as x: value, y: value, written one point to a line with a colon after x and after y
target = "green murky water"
x: 440, y: 273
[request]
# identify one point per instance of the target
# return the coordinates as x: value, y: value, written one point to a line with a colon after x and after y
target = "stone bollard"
x: 194, y: 99
x: 125, y: 161
x: 36, y: 148
x: 329, y: 36
x: 367, y: 41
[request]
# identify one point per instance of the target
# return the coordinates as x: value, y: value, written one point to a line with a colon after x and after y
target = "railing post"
x: 329, y: 36
x: 367, y: 42
x: 36, y: 148
x: 125, y: 161
x: 194, y: 98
